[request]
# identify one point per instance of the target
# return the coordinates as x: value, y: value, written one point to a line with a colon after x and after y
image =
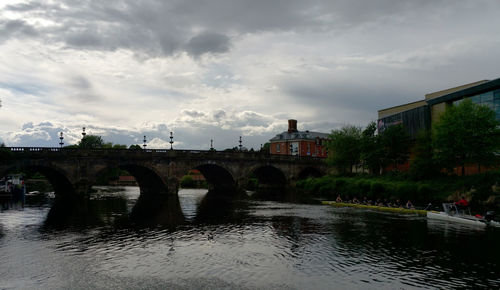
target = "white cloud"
x: 221, y: 69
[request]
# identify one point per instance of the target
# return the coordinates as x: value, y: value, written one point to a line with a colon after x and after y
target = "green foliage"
x: 109, y: 175
x: 371, y: 152
x: 187, y: 181
x: 344, y: 148
x: 395, y: 143
x: 91, y: 141
x: 466, y: 133
x: 266, y: 148
x: 135, y: 147
x: 422, y: 165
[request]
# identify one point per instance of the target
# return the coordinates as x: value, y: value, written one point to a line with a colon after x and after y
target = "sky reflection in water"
x: 245, y: 244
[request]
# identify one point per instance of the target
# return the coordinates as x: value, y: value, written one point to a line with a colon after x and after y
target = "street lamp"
x: 171, y: 140
x: 144, y: 144
x: 61, y: 138
x: 291, y: 149
x: 211, y: 144
x: 83, y: 132
x: 240, y: 143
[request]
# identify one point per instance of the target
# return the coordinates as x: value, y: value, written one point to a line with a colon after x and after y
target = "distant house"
x: 124, y: 180
x: 300, y: 143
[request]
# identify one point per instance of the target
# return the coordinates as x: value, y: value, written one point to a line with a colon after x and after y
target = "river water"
x: 245, y: 244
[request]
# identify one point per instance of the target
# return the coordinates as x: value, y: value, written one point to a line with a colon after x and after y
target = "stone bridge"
x: 157, y: 171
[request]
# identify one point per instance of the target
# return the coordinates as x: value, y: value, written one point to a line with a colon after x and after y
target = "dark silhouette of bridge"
x: 72, y: 173
x: 158, y: 171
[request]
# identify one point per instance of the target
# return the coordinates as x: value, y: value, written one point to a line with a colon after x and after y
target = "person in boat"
x: 355, y: 200
x: 339, y: 199
x: 365, y: 200
x: 462, y: 203
x: 397, y: 204
x: 409, y: 205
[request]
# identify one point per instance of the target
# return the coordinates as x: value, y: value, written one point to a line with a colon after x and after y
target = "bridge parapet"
x: 196, y: 154
x: 158, y: 168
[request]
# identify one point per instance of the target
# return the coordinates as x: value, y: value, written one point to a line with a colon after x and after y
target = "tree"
x: 371, y: 152
x: 344, y: 149
x: 266, y: 148
x: 135, y: 147
x: 396, y: 145
x: 466, y: 134
x: 91, y: 141
x: 422, y: 164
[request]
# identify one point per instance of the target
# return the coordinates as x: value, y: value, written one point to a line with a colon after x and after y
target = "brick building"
x: 301, y: 143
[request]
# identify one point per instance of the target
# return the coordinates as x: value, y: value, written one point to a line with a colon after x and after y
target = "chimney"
x: 292, y: 126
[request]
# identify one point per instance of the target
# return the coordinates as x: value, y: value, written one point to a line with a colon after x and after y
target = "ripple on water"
x: 270, y: 245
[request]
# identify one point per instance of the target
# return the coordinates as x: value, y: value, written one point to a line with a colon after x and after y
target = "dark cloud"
x: 162, y: 28
x: 82, y: 89
x: 207, y: 42
x: 16, y: 29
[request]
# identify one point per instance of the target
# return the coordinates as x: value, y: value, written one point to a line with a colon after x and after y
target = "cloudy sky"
x: 220, y: 69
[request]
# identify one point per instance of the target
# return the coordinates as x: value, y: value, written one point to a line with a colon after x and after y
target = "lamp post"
x: 144, y: 140
x: 171, y: 140
x: 61, y: 138
x: 83, y: 132
x: 240, y: 143
x: 211, y: 144
x: 291, y: 149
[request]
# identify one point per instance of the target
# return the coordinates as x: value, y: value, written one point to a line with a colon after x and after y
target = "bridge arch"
x: 217, y: 176
x: 57, y: 178
x: 269, y: 176
x: 310, y: 172
x: 147, y: 178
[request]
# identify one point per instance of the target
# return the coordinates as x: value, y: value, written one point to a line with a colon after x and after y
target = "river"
x: 244, y: 244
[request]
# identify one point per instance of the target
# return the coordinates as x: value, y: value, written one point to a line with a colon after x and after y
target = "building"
x: 300, y: 143
x: 420, y: 115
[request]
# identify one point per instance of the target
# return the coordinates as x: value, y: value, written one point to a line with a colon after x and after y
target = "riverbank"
x: 482, y: 190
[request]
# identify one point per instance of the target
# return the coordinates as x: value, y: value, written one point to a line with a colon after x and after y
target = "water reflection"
x: 219, y: 207
x: 157, y: 210
x: 209, y: 240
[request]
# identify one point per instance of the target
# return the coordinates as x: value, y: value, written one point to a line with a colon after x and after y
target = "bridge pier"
x: 73, y: 209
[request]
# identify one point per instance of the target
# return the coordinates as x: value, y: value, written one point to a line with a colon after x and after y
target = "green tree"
x: 422, y: 164
x: 266, y: 148
x: 91, y: 141
x: 135, y: 147
x: 396, y: 145
x: 371, y: 152
x: 344, y: 148
x: 466, y: 134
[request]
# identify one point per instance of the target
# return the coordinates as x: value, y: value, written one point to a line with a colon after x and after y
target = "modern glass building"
x: 420, y: 115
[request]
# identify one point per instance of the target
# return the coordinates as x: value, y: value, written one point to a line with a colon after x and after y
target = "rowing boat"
x: 374, y: 207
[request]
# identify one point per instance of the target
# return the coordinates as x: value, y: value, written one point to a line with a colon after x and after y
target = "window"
x: 278, y: 147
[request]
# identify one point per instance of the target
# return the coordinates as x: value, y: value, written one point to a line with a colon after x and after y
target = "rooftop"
x: 299, y: 135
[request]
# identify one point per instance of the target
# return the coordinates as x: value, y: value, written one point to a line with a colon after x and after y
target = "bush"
x: 377, y: 190
x: 187, y: 182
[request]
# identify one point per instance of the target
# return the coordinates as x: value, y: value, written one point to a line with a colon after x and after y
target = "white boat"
x: 453, y: 214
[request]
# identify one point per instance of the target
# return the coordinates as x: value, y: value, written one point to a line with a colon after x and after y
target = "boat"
x: 452, y: 214
x: 378, y: 208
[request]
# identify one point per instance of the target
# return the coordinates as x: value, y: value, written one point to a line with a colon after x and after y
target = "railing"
x: 169, y: 152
